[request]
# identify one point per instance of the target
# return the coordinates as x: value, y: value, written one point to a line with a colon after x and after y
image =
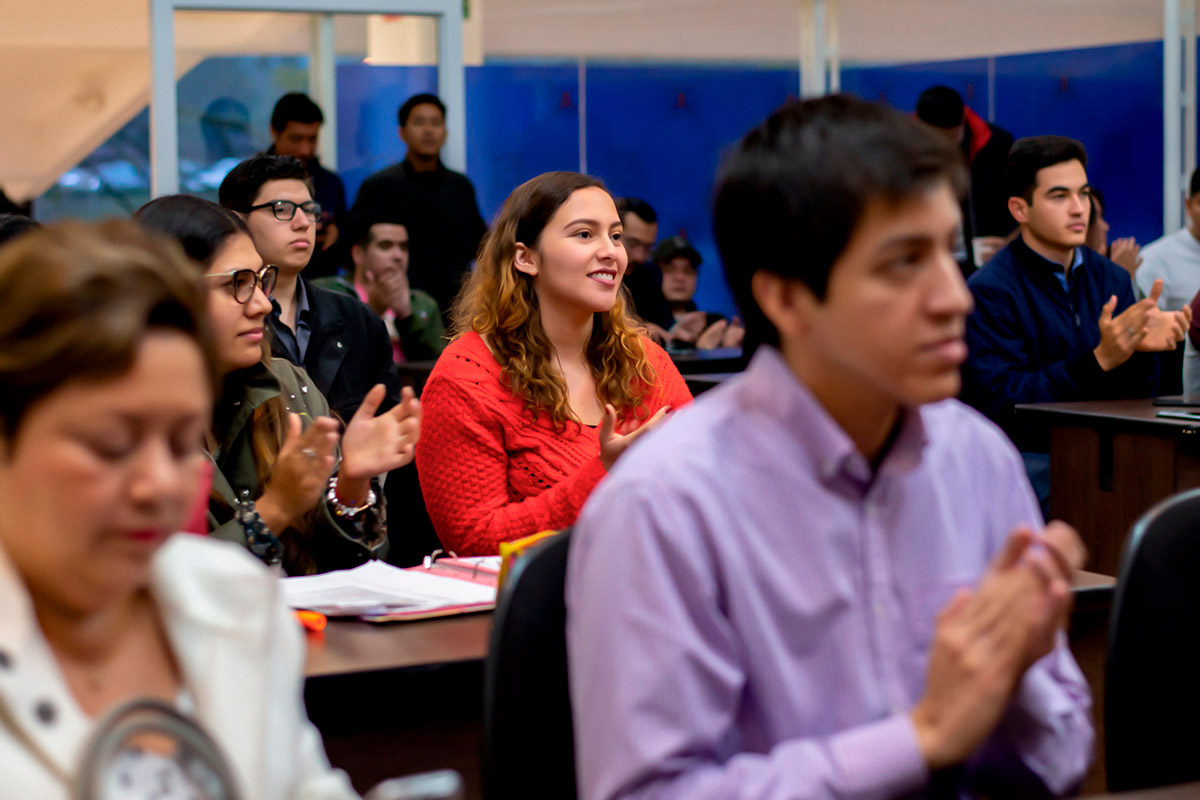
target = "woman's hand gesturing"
x: 615, y: 440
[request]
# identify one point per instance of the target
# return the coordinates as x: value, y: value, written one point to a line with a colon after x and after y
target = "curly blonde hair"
x: 498, y: 302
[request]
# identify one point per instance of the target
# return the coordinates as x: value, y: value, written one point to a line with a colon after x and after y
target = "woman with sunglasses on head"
x: 108, y: 373
x: 279, y: 487
x: 549, y: 379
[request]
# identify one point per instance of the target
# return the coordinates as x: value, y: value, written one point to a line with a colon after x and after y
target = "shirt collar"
x: 302, y: 307
x: 1037, y: 259
x: 770, y: 385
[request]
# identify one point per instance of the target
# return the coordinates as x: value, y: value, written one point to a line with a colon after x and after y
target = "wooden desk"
x: 1110, y: 461
x: 396, y: 699
x: 346, y: 647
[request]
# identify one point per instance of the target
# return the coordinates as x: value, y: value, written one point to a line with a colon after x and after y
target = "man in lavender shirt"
x: 827, y: 579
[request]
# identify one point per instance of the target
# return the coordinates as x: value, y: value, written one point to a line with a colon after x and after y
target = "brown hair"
x: 498, y: 302
x: 77, y: 299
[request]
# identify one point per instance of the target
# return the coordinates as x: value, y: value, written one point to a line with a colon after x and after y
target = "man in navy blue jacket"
x: 1054, y: 320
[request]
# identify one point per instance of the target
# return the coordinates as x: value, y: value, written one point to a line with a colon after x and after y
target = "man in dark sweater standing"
x: 1054, y: 320
x: 986, y: 221
x: 445, y: 226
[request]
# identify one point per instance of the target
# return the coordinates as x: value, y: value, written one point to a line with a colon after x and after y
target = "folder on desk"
x: 379, y: 592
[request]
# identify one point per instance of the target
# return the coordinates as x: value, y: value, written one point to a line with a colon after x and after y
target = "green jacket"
x: 422, y: 335
x: 335, y: 542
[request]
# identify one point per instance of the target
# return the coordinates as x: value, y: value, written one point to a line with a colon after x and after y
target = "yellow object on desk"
x: 510, y: 552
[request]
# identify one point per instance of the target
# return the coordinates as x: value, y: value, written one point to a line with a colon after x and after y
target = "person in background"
x: 1124, y: 251
x: 295, y: 127
x: 1175, y: 260
x: 643, y: 281
x: 280, y: 488
x: 107, y: 363
x: 439, y: 204
x: 341, y: 343
x: 986, y: 221
x: 380, y: 255
x: 827, y: 578
x: 549, y: 379
x: 680, y: 264
x: 1054, y: 320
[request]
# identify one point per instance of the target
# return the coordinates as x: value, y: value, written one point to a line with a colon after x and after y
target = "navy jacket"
x: 1031, y: 342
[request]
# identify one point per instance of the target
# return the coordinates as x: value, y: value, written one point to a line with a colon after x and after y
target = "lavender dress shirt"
x: 750, y: 609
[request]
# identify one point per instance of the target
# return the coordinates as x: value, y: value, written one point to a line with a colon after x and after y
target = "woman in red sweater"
x: 550, y: 378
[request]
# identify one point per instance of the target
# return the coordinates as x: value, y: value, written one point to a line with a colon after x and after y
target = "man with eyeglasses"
x: 340, y: 342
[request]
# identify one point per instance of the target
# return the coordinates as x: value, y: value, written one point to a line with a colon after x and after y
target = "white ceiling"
x: 76, y: 71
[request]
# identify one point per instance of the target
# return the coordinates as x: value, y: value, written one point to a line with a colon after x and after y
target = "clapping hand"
x: 373, y: 445
x: 301, y: 469
x: 1164, y: 329
x: 987, y: 638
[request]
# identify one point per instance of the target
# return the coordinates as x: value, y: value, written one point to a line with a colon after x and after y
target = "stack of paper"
x: 379, y: 590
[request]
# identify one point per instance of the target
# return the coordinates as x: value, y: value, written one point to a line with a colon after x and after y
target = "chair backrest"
x: 1152, y: 679
x: 528, y: 744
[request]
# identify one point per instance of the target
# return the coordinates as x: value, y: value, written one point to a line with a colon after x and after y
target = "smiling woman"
x: 549, y: 379
x: 282, y: 486
x: 107, y: 367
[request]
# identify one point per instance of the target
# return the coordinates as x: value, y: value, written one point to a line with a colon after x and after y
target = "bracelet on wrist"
x: 340, y: 508
x: 259, y: 539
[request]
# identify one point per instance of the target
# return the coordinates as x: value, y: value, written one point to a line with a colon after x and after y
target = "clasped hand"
x: 1141, y: 327
x: 371, y: 445
x: 988, y: 637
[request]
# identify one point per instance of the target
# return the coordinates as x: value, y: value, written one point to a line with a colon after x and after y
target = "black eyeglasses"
x: 284, y: 210
x: 244, y: 281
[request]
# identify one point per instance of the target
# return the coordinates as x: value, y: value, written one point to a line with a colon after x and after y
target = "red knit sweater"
x: 490, y: 472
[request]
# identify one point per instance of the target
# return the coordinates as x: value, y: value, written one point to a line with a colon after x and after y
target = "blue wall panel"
x: 658, y: 133
x: 900, y: 85
x: 368, y: 98
x: 1110, y: 98
x: 523, y: 121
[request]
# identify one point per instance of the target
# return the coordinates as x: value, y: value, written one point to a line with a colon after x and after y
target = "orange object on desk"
x: 313, y: 621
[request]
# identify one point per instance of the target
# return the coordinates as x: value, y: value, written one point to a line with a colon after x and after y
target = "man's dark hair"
x: 637, y: 206
x: 417, y: 100
x: 14, y: 225
x: 940, y: 106
x: 1034, y: 153
x: 359, y: 224
x: 793, y: 191
x: 1194, y: 184
x: 241, y: 185
x: 295, y: 107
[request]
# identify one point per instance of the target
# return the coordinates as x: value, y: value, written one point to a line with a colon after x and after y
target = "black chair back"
x: 1152, y: 681
x: 528, y: 744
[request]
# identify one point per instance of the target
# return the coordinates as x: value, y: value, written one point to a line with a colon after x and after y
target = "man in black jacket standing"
x: 340, y: 342
x: 445, y: 226
x: 985, y: 147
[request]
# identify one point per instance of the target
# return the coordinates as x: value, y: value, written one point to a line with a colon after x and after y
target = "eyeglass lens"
x: 285, y: 210
x: 245, y: 279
